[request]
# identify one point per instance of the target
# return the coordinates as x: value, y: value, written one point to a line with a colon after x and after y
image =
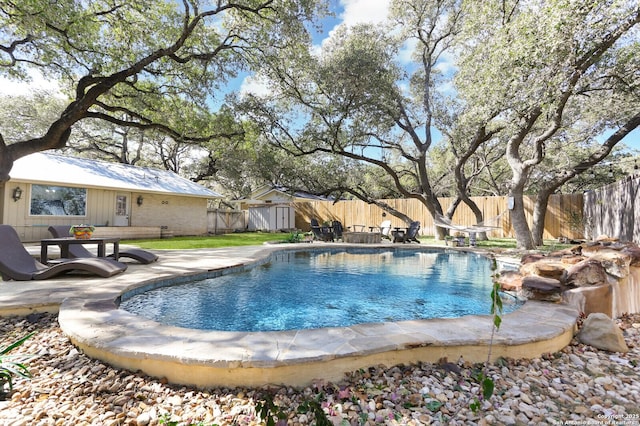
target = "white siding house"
x: 119, y: 199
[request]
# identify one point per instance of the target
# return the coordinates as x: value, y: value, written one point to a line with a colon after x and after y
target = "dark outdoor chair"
x: 338, y: 229
x: 408, y: 235
x: 17, y: 264
x: 78, y: 251
x: 322, y: 233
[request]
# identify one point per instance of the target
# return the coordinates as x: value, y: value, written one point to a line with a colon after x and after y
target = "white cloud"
x: 447, y: 63
x: 22, y: 88
x: 254, y: 85
x: 355, y: 12
x: 364, y: 11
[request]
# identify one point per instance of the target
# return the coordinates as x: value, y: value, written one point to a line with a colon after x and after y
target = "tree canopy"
x: 447, y: 97
x: 518, y: 89
x: 143, y: 64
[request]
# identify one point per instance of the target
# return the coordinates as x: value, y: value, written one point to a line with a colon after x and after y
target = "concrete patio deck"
x: 88, y: 314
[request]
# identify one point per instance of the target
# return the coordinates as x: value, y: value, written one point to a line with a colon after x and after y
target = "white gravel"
x: 579, y: 385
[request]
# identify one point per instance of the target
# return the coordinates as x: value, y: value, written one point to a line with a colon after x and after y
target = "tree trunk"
x: 481, y: 236
x: 433, y: 209
x: 539, y: 215
x: 524, y: 241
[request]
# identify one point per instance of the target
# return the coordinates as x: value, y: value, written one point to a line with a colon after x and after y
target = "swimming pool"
x: 92, y: 320
x: 327, y: 288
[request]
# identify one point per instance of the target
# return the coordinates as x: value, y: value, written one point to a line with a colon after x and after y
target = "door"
x: 283, y: 218
x: 121, y: 217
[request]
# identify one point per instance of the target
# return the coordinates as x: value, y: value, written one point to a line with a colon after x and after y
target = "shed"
x: 272, y: 217
x: 119, y: 199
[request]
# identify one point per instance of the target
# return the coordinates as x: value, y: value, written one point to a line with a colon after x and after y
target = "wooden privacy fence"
x: 563, y: 219
x: 614, y: 210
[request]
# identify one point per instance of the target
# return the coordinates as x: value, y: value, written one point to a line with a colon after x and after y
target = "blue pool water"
x: 330, y: 288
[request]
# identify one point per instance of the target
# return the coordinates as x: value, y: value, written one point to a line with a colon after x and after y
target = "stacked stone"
x: 593, y: 264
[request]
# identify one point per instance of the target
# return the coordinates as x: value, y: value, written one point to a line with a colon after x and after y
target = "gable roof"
x: 265, y: 190
x: 48, y: 168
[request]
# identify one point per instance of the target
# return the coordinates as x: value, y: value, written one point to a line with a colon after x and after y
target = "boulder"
x: 562, y: 253
x: 571, y: 259
x: 510, y: 281
x: 546, y: 267
x: 586, y: 273
x: 599, y: 331
x: 633, y: 252
x: 605, y: 240
x: 615, y: 262
x: 543, y: 288
x: 531, y: 258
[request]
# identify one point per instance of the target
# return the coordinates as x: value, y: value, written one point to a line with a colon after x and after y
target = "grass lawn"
x: 258, y: 238
x: 214, y: 241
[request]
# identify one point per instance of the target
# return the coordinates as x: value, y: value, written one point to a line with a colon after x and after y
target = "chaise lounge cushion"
x: 16, y: 263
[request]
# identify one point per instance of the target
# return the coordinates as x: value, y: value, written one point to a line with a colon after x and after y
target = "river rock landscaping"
x: 578, y: 384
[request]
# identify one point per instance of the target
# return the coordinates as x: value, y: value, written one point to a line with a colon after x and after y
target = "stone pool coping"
x: 88, y: 314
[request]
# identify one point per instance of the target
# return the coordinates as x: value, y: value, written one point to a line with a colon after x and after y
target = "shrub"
x: 12, y: 366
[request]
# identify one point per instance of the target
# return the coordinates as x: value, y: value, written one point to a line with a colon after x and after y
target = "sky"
x: 348, y: 12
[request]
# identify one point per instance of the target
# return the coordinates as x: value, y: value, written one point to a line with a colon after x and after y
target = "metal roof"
x: 49, y: 168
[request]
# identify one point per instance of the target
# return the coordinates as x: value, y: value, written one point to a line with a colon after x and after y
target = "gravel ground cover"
x: 578, y: 385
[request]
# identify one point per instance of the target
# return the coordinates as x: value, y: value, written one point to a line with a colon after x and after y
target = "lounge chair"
x: 17, y: 264
x: 384, y: 229
x: 323, y: 233
x: 78, y: 251
x: 338, y: 229
x: 408, y: 235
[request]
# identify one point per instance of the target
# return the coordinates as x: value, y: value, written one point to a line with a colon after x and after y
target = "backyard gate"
x: 223, y: 221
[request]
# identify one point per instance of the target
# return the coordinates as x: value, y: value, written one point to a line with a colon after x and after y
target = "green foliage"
x: 487, y: 384
x: 271, y: 413
x: 165, y: 419
x: 295, y: 237
x: 160, y: 66
x: 313, y: 406
x: 434, y: 405
x: 12, y: 365
x: 274, y: 415
x: 496, y: 305
x: 214, y: 241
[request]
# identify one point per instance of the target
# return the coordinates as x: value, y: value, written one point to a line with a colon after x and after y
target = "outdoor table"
x: 64, y: 244
x: 362, y: 237
x: 398, y: 233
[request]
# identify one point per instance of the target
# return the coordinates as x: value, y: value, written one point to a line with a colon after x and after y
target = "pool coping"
x: 93, y: 322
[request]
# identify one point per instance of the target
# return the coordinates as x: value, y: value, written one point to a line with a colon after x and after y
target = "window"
x: 58, y: 201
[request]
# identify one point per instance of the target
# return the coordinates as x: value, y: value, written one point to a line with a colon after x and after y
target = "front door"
x: 122, y: 210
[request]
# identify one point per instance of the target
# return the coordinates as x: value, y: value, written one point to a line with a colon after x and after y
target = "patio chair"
x: 78, y: 251
x: 322, y: 233
x: 17, y: 264
x: 338, y: 229
x: 384, y: 229
x: 408, y: 235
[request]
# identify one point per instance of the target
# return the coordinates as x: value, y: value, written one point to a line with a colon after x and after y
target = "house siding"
x: 181, y: 215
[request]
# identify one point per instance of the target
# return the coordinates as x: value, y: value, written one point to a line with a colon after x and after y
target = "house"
x: 119, y: 199
x: 273, y: 208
